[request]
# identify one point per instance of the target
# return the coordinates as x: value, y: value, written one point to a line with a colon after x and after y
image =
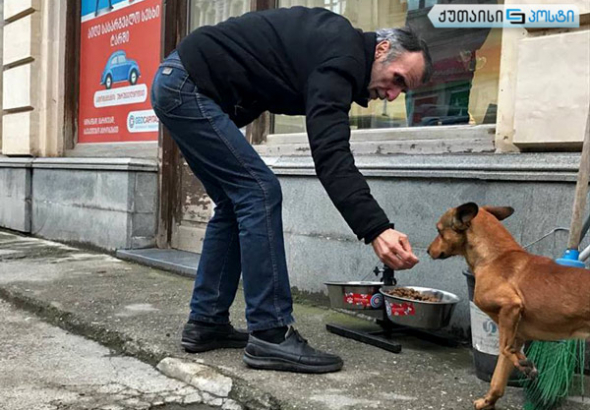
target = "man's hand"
x: 394, y: 250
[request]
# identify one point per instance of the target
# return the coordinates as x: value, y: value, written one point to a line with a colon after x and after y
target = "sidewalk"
x: 139, y: 311
x: 74, y: 373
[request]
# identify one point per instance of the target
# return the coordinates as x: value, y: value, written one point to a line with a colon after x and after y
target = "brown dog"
x: 530, y: 297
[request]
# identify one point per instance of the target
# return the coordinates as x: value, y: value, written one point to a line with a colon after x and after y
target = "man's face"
x: 389, y: 79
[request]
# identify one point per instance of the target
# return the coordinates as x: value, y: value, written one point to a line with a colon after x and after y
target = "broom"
x: 557, y: 362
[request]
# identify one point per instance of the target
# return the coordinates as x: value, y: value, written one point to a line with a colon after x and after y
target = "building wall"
x: 544, y: 88
x: 15, y: 195
x: 415, y: 191
x: 22, y: 24
x: 1, y: 64
x: 33, y: 61
x: 109, y: 208
x: 108, y: 203
x: 113, y: 204
x: 105, y: 203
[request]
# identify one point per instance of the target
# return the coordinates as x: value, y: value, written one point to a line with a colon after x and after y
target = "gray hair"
x: 403, y: 40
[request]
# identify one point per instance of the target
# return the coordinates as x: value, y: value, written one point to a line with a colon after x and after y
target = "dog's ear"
x: 463, y: 216
x: 500, y: 212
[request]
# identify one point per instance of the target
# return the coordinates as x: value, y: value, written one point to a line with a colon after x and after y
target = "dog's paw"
x: 525, y: 363
x: 532, y: 374
x: 528, y: 368
x: 483, y: 404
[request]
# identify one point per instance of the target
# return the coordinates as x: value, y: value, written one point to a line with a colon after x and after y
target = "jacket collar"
x: 370, y: 41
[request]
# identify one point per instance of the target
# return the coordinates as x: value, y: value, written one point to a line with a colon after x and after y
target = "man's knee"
x: 273, y: 191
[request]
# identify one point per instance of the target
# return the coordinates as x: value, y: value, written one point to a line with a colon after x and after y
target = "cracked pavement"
x: 140, y: 311
x: 45, y: 367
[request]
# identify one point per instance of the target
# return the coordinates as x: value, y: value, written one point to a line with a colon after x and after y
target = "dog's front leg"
x: 501, y: 373
x: 510, y: 346
x: 526, y: 366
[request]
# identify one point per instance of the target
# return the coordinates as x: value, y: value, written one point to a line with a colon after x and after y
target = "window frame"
x: 259, y: 132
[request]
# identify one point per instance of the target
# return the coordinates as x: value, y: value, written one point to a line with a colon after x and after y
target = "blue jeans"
x: 245, y: 234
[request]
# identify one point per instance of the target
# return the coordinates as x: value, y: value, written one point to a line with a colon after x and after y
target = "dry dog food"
x: 412, y: 294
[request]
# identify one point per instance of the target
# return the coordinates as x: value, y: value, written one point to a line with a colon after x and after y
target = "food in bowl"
x: 407, y: 293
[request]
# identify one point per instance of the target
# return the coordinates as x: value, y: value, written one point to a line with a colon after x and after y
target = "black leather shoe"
x: 294, y: 355
x: 198, y: 338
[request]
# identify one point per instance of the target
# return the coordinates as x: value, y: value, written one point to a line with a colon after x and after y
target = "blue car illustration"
x: 119, y: 68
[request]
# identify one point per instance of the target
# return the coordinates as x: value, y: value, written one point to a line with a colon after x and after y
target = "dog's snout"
x: 437, y: 254
x: 432, y: 252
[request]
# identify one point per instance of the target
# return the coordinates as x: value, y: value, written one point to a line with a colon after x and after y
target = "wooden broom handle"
x: 581, y: 190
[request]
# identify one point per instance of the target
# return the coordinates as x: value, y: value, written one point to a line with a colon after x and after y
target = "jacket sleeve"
x: 329, y: 93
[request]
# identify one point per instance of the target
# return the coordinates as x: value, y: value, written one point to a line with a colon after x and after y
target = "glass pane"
x: 209, y: 12
x: 463, y: 88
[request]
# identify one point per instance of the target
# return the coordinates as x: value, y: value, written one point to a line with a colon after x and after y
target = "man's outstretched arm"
x: 328, y: 97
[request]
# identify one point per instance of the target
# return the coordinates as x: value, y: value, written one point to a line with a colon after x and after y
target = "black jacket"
x: 295, y: 61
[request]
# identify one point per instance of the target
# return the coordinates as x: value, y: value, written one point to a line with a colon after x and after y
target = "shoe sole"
x: 217, y: 344
x: 273, y: 363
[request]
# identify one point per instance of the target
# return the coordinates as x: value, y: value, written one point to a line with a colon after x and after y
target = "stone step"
x: 476, y: 144
x: 398, y: 134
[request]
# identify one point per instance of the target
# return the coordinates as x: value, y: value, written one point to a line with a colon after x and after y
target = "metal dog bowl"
x: 419, y: 314
x: 359, y: 295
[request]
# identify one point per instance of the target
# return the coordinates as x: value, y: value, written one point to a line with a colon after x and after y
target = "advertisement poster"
x: 119, y: 55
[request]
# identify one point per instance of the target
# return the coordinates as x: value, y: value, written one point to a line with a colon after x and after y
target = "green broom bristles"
x: 556, y: 363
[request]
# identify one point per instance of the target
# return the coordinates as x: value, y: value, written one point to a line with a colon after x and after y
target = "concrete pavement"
x: 45, y: 367
x: 139, y: 311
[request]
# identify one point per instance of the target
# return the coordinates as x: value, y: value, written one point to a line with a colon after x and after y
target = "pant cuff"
x: 208, y: 319
x: 286, y: 321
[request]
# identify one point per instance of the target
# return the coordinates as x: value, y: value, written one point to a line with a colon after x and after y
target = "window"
x: 463, y: 88
x: 209, y: 12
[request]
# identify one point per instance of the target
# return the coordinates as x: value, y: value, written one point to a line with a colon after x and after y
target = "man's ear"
x: 463, y: 216
x: 381, y: 48
x: 500, y: 212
